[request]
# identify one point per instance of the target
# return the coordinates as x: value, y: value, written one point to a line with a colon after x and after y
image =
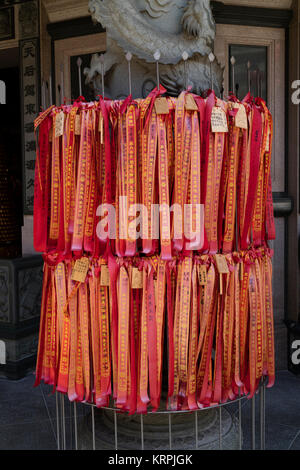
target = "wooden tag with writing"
x: 59, y: 124
x: 241, y: 119
x: 101, y: 128
x: 190, y: 103
x: 137, y: 279
x: 218, y: 120
x: 202, y: 275
x: 241, y: 271
x: 80, y: 270
x: 104, y: 278
x: 222, y: 264
x: 77, y: 124
x: 161, y: 106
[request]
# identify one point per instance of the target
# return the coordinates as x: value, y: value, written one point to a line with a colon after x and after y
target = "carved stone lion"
x: 145, y: 26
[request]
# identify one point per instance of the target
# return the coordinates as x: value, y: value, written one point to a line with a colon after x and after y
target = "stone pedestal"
x: 20, y: 301
x: 156, y: 431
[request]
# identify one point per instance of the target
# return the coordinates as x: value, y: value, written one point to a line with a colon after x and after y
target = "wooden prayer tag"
x: 218, y: 120
x: 242, y: 271
x: 77, y: 124
x: 190, y: 103
x: 241, y: 119
x: 222, y: 268
x: 202, y: 275
x: 137, y: 279
x: 161, y: 106
x: 222, y: 264
x: 80, y: 270
x: 100, y: 128
x: 104, y: 278
x: 59, y: 124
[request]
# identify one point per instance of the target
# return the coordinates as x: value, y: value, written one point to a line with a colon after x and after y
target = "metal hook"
x: 211, y: 59
x: 102, y: 73
x: 79, y: 63
x: 157, y: 57
x: 129, y: 58
x: 233, y: 61
x: 185, y: 57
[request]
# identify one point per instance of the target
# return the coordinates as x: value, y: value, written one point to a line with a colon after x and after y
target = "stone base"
x: 156, y: 431
x: 20, y: 300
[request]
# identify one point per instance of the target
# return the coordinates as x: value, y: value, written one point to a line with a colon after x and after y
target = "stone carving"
x: 30, y: 291
x: 144, y: 26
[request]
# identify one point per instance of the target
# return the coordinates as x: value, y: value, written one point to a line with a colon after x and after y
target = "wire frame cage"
x: 68, y: 430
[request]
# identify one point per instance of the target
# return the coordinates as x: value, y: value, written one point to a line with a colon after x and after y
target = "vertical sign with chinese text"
x: 29, y: 54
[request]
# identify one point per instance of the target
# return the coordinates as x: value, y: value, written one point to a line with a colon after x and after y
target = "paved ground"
x: 28, y: 415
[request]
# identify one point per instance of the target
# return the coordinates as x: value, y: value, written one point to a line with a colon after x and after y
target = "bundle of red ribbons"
x: 133, y: 307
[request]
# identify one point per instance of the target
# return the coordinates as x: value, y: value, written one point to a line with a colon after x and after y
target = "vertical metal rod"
x: 102, y: 73
x: 57, y: 422
x: 71, y: 426
x: 50, y: 90
x: 79, y: 63
x: 220, y: 429
x: 185, y: 57
x: 62, y: 400
x: 232, y: 60
x: 62, y: 91
x: 157, y: 57
x: 128, y: 58
x: 75, y: 426
x: 211, y: 58
x: 142, y: 431
x: 265, y: 414
x: 240, y: 421
x: 196, y: 429
x: 253, y: 423
x: 262, y: 416
x: 93, y: 428
x: 129, y: 77
x: 170, y: 431
x: 116, y: 430
x: 102, y: 79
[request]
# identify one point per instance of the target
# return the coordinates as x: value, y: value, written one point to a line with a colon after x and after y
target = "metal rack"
x: 257, y: 442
